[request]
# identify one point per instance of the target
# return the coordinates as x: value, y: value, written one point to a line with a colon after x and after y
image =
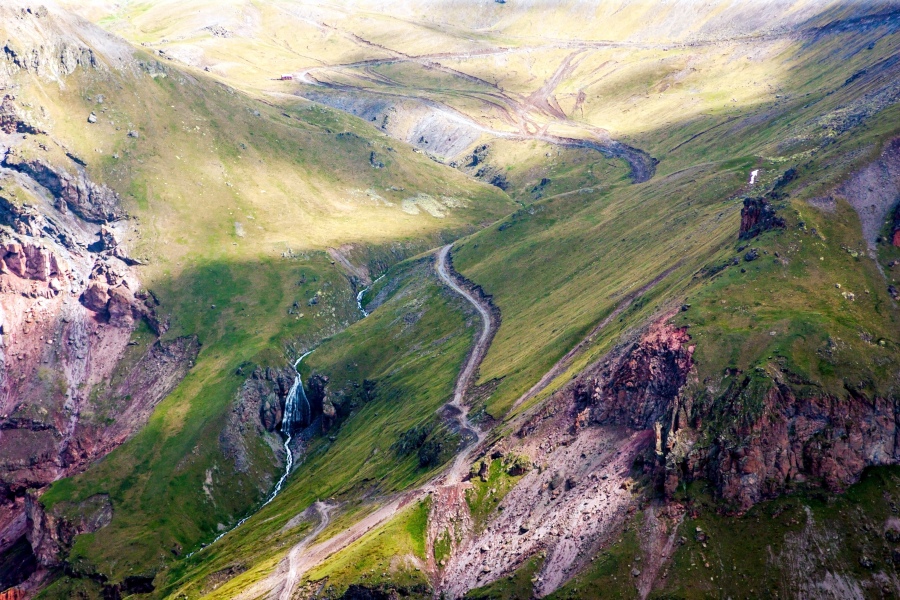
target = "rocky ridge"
x: 70, y: 299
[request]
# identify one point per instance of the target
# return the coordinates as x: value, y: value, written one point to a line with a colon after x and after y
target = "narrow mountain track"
x: 294, y: 555
x: 476, y: 355
x: 302, y: 557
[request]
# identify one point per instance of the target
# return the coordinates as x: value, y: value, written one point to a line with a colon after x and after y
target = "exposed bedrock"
x: 90, y: 201
x: 70, y: 298
x: 758, y: 216
x: 633, y: 414
x: 755, y: 440
x: 256, y: 412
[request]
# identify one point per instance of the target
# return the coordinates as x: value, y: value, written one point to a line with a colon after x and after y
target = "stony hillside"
x: 659, y: 358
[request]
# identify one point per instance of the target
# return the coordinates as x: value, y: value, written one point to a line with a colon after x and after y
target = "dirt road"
x: 300, y: 559
x: 294, y: 556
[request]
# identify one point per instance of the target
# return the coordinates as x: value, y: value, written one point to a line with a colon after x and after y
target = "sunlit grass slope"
x: 574, y: 251
x: 389, y: 374
x: 581, y: 254
x: 233, y: 203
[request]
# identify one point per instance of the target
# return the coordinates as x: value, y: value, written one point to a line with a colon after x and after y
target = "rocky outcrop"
x: 43, y: 40
x: 12, y: 120
x: 52, y: 532
x: 113, y: 295
x: 758, y: 216
x: 31, y: 261
x: 69, y: 300
x: 321, y: 402
x: 759, y: 438
x: 638, y: 388
x: 257, y: 411
x: 787, y: 440
x: 90, y: 201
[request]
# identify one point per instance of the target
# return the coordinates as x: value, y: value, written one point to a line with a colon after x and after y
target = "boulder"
x: 37, y: 262
x: 119, y: 307
x: 14, y: 257
x: 96, y: 296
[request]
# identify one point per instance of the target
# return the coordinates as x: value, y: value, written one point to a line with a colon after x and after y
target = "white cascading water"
x: 359, y: 298
x: 296, y: 406
x: 292, y: 417
x: 297, y: 411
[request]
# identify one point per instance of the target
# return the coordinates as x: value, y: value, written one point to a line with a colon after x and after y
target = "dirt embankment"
x: 580, y: 448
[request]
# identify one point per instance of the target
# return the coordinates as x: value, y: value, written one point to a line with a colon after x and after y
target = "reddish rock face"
x: 12, y: 594
x: 96, y: 296
x: 895, y: 237
x: 14, y: 258
x: 822, y: 440
x: 31, y: 262
x: 638, y: 389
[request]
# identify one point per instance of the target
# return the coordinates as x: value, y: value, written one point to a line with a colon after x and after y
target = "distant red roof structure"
x: 287, y: 77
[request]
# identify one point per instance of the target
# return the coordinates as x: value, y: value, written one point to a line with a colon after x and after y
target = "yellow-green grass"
x: 295, y: 179
x: 581, y: 254
x: 555, y: 268
x: 392, y: 555
x: 411, y: 347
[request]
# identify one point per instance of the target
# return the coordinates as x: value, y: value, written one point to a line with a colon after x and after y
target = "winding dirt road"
x: 301, y: 557
x: 476, y: 355
x: 295, y: 553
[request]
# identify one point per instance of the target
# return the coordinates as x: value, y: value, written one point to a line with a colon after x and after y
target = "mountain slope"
x: 695, y: 297
x: 222, y: 212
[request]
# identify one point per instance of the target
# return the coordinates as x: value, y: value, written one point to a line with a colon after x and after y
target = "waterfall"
x: 291, y: 418
x: 297, y: 410
x: 359, y: 298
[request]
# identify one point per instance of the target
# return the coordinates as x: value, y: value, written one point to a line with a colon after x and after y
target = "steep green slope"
x: 234, y: 203
x: 388, y: 375
x: 581, y: 258
x: 801, y: 306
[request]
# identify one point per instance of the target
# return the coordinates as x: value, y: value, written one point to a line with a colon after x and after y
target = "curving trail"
x: 294, y: 555
x: 443, y: 268
x: 301, y: 557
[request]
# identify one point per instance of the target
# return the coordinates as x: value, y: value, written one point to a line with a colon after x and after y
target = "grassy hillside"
x: 234, y: 203
x: 389, y: 374
x: 586, y: 251
x: 263, y: 189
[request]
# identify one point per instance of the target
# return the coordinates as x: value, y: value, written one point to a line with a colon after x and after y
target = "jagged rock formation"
x: 758, y: 216
x: 791, y: 437
x: 69, y: 300
x: 92, y: 202
x: 637, y: 389
x: 52, y: 532
x: 794, y: 440
x: 41, y: 40
x: 321, y: 402
x: 257, y: 410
